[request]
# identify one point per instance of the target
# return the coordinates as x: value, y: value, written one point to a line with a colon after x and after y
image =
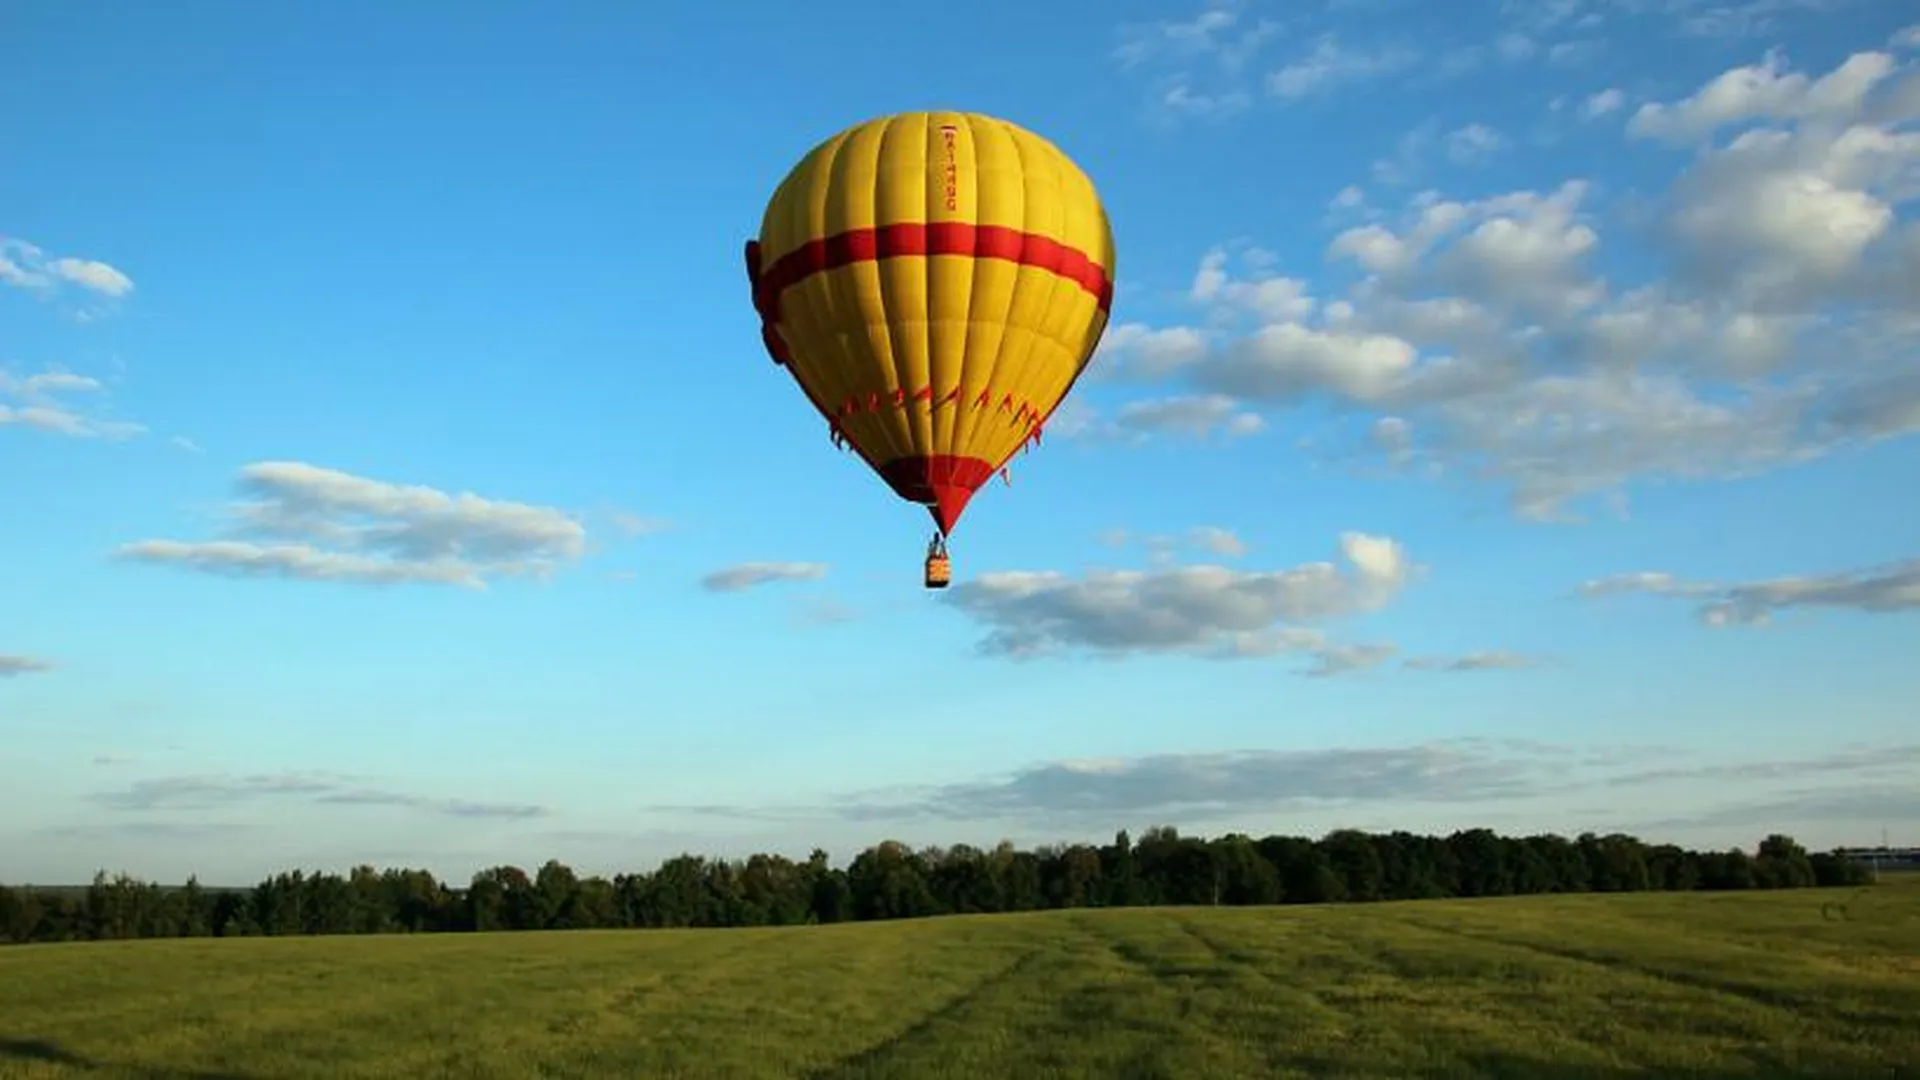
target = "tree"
x: 1781, y: 863
x: 893, y: 881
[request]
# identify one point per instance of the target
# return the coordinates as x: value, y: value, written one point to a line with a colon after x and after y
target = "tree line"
x: 892, y: 881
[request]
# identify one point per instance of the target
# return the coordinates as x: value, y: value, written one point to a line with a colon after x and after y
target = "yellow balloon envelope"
x: 935, y: 282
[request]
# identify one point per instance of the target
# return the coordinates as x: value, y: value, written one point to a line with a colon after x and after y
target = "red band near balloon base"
x: 943, y: 482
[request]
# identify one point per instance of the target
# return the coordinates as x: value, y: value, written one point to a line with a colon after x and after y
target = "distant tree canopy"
x: 892, y: 881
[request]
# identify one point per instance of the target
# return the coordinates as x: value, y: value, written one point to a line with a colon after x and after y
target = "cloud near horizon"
x: 60, y: 402
x: 1201, y: 610
x: 217, y: 791
x: 1207, y: 787
x: 307, y: 523
x: 12, y: 664
x: 754, y: 574
x: 1880, y: 590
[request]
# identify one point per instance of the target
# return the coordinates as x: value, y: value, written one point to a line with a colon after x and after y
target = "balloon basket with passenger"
x: 939, y: 567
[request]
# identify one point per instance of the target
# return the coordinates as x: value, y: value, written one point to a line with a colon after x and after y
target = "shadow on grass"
x: 1510, y: 1066
x: 1470, y: 1066
x: 43, y: 1052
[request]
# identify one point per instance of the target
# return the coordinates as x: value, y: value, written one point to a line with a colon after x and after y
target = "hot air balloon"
x: 935, y: 282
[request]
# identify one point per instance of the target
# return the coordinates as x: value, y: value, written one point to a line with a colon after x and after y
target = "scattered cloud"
x: 1348, y: 198
x: 1473, y: 143
x: 1329, y: 65
x: 752, y: 575
x: 111, y: 760
x: 824, y: 611
x: 181, y: 442
x: 1200, y: 786
x: 1219, y: 541
x: 1898, y: 801
x: 1860, y: 784
x: 224, y: 791
x: 1735, y: 18
x: 1766, y: 90
x: 151, y: 832
x: 1856, y: 763
x: 632, y: 525
x: 1206, y: 610
x: 1482, y: 340
x: 1493, y: 660
x: 304, y: 522
x: 57, y: 401
x: 1878, y: 590
x: 1197, y: 67
x: 1196, y: 415
x: 1135, y: 350
x: 1162, y: 548
x: 1604, y: 103
x: 13, y: 664
x: 1216, y: 33
x: 1239, y: 785
x: 26, y: 266
x: 1261, y: 292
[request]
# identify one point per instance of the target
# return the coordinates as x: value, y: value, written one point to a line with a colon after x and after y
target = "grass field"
x: 1703, y: 986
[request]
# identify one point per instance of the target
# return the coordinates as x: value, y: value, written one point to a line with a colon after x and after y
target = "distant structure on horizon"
x: 1883, y: 857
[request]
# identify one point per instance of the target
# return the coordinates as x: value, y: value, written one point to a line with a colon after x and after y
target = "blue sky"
x: 1506, y: 419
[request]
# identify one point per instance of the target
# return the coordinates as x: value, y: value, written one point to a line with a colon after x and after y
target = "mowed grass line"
x: 1692, y: 985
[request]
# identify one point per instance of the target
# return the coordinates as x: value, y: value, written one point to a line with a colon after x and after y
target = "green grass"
x: 1545, y: 988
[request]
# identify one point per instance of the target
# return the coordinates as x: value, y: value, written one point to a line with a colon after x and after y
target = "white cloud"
x: 1262, y: 293
x: 1215, y: 32
x: 26, y: 266
x: 1785, y: 219
x: 1764, y: 91
x: 1569, y: 53
x: 1473, y: 143
x: 93, y: 275
x: 1282, y: 361
x: 1492, y: 660
x: 1196, y: 416
x: 1604, y: 103
x: 1398, y: 786
x: 632, y: 525
x: 1739, y: 18
x: 221, y: 790
x: 309, y: 523
x: 1184, y: 100
x: 1878, y: 590
x: 1207, y: 610
x: 750, y: 575
x: 1162, y: 547
x: 1198, y: 64
x: 1137, y: 351
x: 51, y: 401
x: 13, y: 664
x: 1410, y: 155
x: 1219, y: 541
x: 1329, y: 65
x: 1512, y: 46
x: 1906, y: 37
x: 1199, y: 786
x: 1488, y: 334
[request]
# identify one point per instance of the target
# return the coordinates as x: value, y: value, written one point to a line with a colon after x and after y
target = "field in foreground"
x: 1689, y: 985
